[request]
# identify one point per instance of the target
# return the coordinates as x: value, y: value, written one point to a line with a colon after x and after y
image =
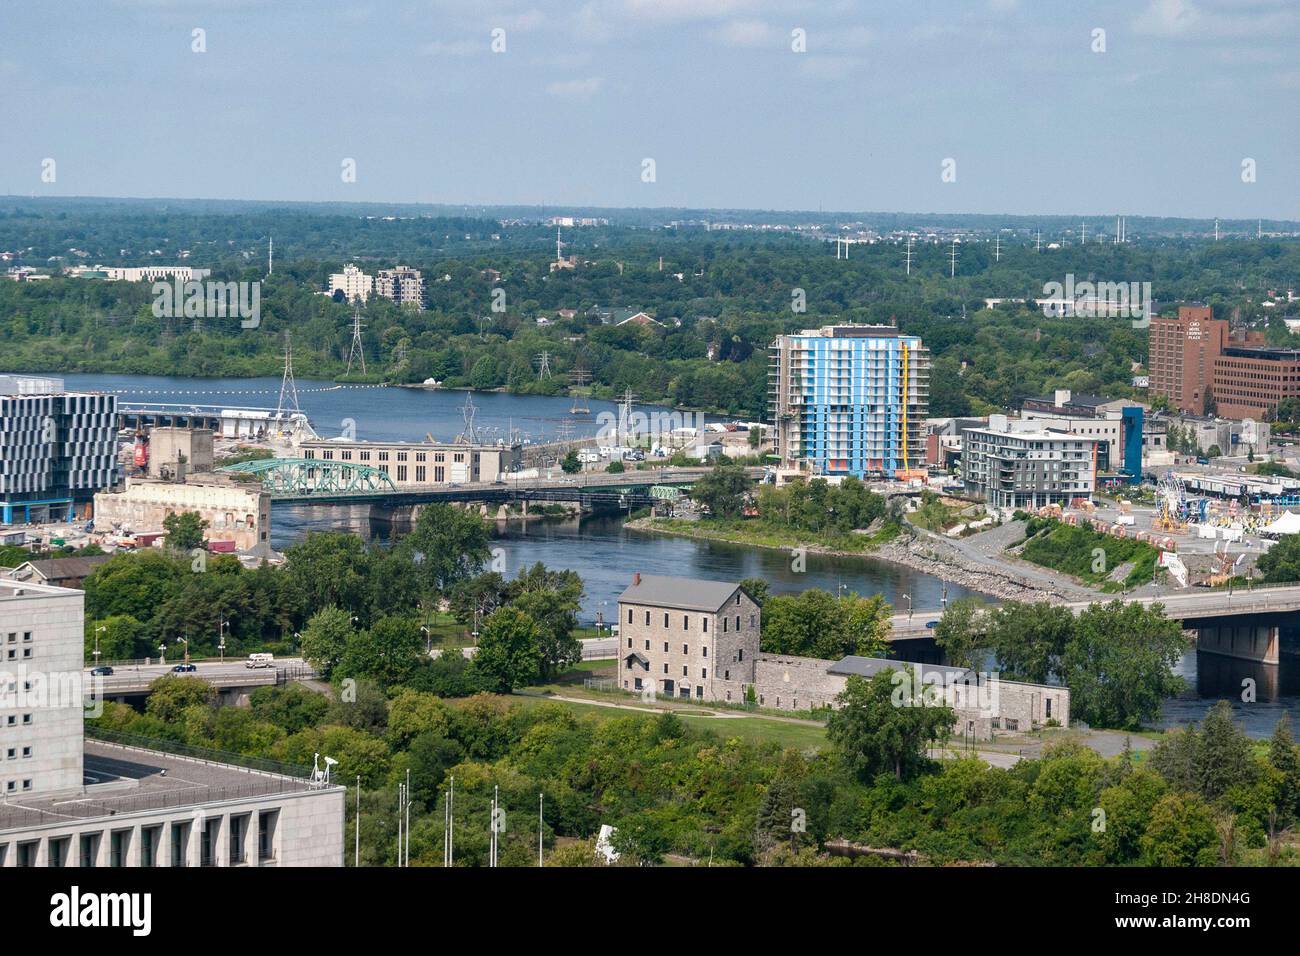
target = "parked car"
x: 103, y: 670
x: 184, y: 668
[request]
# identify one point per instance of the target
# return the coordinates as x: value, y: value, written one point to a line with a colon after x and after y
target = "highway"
x: 1184, y: 605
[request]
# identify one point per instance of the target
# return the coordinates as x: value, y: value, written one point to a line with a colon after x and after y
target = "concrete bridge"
x: 1242, y: 623
x: 230, y: 678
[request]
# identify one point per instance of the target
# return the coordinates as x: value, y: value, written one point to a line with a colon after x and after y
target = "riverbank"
x: 969, y: 564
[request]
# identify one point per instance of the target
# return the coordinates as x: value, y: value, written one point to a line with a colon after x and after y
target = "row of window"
x: 151, y: 839
x: 346, y: 455
x: 686, y: 623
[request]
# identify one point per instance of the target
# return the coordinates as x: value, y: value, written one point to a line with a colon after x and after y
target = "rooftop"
x: 121, y: 779
x: 687, y: 594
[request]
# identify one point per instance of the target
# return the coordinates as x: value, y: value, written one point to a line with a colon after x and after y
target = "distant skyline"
x: 1012, y: 92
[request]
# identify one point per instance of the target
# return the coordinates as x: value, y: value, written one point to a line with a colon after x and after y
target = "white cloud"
x: 749, y: 33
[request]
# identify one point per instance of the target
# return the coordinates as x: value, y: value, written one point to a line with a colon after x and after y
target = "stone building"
x: 235, y: 511
x: 684, y: 638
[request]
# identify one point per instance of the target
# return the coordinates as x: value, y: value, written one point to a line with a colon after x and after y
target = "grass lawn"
x: 751, y: 729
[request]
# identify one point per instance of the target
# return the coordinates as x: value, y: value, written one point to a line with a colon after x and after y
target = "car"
x: 1202, y: 461
x: 932, y: 624
x: 184, y: 669
x: 103, y: 670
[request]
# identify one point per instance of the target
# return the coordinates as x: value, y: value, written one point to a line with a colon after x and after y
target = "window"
x: 685, y: 671
x: 699, y: 691
x: 704, y: 651
x: 636, y: 683
x: 665, y: 647
x: 1047, y: 701
x: 686, y: 648
x: 647, y: 645
x: 742, y: 654
x: 724, y: 625
x: 665, y: 619
x: 704, y: 673
x: 149, y: 837
x: 629, y: 616
x: 629, y: 643
x: 647, y: 618
x: 704, y: 622
x: 238, y: 831
x: 738, y: 622
x: 118, y: 843
x: 686, y: 622
x: 208, y: 842
x: 89, y: 849
x: 180, y: 837
x: 27, y: 853
x: 665, y: 667
x: 56, y: 852
x: 266, y: 821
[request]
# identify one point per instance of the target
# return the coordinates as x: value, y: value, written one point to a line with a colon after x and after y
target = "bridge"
x: 1243, y: 623
x: 227, y: 421
x: 133, y: 679
x: 314, y: 481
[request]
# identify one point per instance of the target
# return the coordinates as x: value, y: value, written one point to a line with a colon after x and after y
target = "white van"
x: 260, y: 660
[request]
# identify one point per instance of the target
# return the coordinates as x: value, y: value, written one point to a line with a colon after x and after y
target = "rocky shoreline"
x: 919, y: 553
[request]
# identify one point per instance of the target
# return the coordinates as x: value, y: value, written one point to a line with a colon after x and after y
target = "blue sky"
x: 1012, y: 90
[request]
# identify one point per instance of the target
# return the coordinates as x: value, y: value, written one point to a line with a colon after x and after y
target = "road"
x: 127, y: 678
x: 1197, y: 603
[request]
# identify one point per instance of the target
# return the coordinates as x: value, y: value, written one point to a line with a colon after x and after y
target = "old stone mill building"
x: 699, y: 640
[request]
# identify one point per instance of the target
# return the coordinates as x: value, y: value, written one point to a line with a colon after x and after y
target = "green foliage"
x: 884, y: 725
x: 1281, y: 562
x: 815, y: 623
x: 817, y: 506
x: 184, y: 530
x: 570, y: 464
x: 325, y: 639
x: 723, y: 490
x: 1073, y: 550
x: 509, y: 651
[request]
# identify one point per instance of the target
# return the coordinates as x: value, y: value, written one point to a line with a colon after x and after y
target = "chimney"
x: 1061, y: 397
x: 636, y: 579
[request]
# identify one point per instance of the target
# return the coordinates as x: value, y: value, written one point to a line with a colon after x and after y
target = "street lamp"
x: 97, y: 630
x: 221, y: 637
x: 162, y: 657
x: 428, y: 639
x: 908, y: 598
x: 186, y: 642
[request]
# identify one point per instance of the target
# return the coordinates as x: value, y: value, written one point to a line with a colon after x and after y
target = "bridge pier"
x: 1246, y: 639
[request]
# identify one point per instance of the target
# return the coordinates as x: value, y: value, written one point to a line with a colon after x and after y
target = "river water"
x: 602, y: 551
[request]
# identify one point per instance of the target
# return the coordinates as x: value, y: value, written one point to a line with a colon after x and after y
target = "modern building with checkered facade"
x: 57, y: 448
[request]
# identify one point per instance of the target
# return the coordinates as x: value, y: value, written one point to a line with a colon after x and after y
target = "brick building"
x: 1181, y: 357
x: 1249, y: 382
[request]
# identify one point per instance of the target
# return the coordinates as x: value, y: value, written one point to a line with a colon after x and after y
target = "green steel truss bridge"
x: 314, y: 481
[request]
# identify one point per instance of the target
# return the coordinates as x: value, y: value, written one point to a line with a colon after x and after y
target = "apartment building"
x: 1181, y: 356
x: 1118, y: 425
x: 679, y: 637
x: 417, y: 465
x: 850, y: 400
x: 57, y: 448
x: 355, y: 285
x: 402, y: 285
x: 1019, y: 464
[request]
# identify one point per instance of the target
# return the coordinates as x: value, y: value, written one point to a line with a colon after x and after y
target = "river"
x: 602, y: 551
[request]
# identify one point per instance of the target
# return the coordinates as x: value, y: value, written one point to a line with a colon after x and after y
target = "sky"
x: 1176, y: 108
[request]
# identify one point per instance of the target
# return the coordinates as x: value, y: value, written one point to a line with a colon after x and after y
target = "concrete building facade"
x: 402, y: 285
x: 42, y: 648
x: 235, y: 511
x: 355, y: 285
x: 850, y: 400
x: 1180, y: 356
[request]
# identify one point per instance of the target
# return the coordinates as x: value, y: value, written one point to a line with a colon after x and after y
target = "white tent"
x: 1288, y: 522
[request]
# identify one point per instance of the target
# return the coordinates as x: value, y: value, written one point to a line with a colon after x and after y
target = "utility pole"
x: 952, y: 272
x: 356, y: 850
x: 1083, y: 233
x: 909, y: 255
x: 997, y: 248
x: 1039, y: 246
x: 540, y: 824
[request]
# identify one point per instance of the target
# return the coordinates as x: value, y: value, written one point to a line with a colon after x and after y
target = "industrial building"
x: 57, y: 448
x: 850, y: 400
x: 417, y: 465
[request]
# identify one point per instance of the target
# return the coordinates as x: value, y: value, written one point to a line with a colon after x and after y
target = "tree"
x: 723, y: 490
x: 329, y: 569
x: 615, y: 468
x: 818, y: 624
x: 1118, y: 664
x: 1285, y: 759
x: 509, y: 651
x: 171, y: 694
x: 1225, y: 759
x: 325, y: 639
x: 884, y: 725
x: 570, y: 464
x: 554, y: 610
x: 1281, y: 562
x: 121, y: 638
x: 448, y: 544
x: 961, y: 633
x: 184, y: 530
x: 387, y: 652
x: 1181, y: 833
x: 756, y: 588
x: 1029, y: 640
x: 134, y: 583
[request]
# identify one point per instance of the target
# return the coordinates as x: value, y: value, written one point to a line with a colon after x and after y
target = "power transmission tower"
x: 288, y: 387
x: 579, y: 376
x: 543, y: 365
x: 953, y: 259
x: 908, y: 260
x: 1039, y: 242
x: 270, y: 255
x: 468, y: 435
x: 997, y: 248
x: 1083, y: 233
x: 355, y: 350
